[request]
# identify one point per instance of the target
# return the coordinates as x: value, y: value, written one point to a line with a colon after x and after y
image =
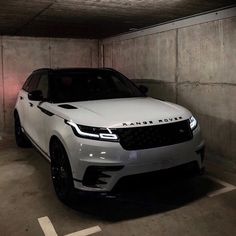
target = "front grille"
x: 154, y: 136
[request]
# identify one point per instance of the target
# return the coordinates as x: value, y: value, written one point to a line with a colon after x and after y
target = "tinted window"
x: 43, y: 85
x: 91, y: 85
x: 26, y: 84
x: 33, y: 83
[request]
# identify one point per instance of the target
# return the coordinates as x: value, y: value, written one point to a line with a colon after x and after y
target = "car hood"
x: 124, y: 112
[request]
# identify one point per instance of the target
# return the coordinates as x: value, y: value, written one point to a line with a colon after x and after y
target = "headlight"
x: 92, y: 132
x: 193, y: 123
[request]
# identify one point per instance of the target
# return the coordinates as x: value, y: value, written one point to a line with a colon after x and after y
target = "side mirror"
x: 143, y: 89
x: 35, y: 95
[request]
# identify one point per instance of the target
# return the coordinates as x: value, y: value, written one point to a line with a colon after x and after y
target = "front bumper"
x: 98, y: 166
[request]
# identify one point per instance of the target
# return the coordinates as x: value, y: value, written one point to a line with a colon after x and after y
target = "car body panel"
x: 113, y: 113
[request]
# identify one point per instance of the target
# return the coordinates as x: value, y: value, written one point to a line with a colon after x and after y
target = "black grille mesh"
x: 154, y: 136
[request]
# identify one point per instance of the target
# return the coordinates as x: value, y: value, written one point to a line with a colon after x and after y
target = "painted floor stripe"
x: 86, y: 232
x: 47, y: 226
x: 227, y: 187
x: 49, y: 230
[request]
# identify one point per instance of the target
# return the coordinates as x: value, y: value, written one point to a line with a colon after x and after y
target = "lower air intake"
x: 95, y: 176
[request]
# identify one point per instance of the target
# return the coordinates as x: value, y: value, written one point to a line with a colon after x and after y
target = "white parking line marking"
x: 49, y: 230
x: 227, y: 187
x: 86, y: 232
x: 47, y: 226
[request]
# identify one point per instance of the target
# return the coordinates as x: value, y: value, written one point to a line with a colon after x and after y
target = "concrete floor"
x: 176, y: 207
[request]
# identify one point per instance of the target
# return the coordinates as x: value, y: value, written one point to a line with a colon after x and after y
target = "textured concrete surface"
x: 159, y: 89
x: 214, y: 105
x: 123, y: 57
x: 193, y: 66
x: 22, y: 55
x: 207, y: 69
x: 73, y: 53
x: 149, y: 57
x: 155, y: 56
x: 207, y: 52
x: 166, y: 206
x: 94, y: 18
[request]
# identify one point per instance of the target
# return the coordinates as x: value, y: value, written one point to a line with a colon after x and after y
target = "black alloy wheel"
x: 61, y: 172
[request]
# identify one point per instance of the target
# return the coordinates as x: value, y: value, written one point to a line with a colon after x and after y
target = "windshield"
x: 73, y: 86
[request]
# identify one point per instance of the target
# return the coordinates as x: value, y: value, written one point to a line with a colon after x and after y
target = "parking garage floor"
x: 204, y: 205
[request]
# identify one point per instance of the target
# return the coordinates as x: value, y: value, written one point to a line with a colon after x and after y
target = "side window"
x: 26, y: 84
x: 43, y: 85
x: 33, y: 83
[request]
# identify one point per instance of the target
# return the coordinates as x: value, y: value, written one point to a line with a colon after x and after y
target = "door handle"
x: 31, y: 104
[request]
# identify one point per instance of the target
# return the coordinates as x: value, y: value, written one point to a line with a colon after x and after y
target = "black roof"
x: 73, y: 69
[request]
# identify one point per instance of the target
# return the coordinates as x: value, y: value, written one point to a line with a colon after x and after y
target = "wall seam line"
x: 3, y: 87
x: 177, y: 64
x: 50, y: 53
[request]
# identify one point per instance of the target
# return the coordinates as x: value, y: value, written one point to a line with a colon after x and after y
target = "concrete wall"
x: 19, y: 56
x: 194, y: 66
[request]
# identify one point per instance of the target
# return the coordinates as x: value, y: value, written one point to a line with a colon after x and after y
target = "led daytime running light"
x: 103, y: 136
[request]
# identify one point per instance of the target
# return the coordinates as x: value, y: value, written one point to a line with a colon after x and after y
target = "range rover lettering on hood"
x: 150, y: 122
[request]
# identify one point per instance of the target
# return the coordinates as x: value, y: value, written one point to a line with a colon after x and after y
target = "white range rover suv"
x: 95, y: 127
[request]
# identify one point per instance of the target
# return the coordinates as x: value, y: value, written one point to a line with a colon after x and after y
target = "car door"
x: 38, y: 118
x: 22, y: 103
x: 27, y: 104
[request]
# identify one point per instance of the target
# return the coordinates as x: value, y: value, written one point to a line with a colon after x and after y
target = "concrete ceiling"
x: 94, y: 18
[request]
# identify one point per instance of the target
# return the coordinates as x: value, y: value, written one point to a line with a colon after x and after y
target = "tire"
x: 61, y: 172
x: 20, y: 137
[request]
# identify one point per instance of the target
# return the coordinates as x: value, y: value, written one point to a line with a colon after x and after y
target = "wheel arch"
x: 59, y: 136
x: 16, y: 113
x: 56, y: 137
x: 65, y: 192
x: 53, y: 139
